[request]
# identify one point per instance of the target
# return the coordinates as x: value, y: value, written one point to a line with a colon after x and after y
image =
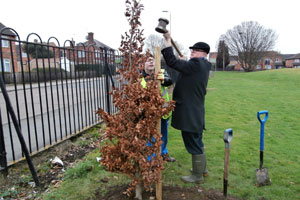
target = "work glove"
x: 161, y: 76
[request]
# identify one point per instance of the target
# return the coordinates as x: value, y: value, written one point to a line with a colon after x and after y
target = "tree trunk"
x: 138, y: 189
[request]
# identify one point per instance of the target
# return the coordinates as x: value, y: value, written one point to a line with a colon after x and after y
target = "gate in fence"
x: 54, y: 90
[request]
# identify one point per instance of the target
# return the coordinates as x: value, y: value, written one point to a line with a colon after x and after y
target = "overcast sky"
x: 191, y: 20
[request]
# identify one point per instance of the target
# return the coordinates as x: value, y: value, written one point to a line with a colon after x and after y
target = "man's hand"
x: 167, y: 37
x: 161, y: 76
x: 182, y: 58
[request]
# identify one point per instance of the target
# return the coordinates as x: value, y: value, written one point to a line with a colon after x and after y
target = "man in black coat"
x: 189, y: 94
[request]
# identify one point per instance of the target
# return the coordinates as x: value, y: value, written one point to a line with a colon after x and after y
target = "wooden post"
x: 227, y: 139
x: 157, y: 70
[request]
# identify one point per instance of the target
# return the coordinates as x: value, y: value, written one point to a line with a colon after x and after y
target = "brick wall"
x: 10, y: 53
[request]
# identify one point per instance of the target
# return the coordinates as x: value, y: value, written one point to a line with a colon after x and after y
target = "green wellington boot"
x: 205, y: 172
x: 198, y: 165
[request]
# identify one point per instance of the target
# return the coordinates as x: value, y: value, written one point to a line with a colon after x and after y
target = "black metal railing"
x: 54, y: 90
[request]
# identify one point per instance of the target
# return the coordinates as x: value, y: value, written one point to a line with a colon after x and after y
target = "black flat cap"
x: 202, y: 46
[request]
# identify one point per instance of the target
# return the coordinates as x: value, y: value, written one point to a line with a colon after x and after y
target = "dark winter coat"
x: 189, y: 92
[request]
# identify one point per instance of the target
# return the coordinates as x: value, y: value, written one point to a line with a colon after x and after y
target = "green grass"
x: 233, y: 101
x: 84, y: 180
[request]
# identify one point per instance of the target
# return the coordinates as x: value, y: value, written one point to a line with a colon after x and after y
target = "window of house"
x: 277, y: 60
x: 62, y: 54
x: 267, y: 61
x: 4, y: 42
x: 258, y: 67
x: 81, y: 54
x: 6, y: 63
x: 297, y: 60
x: 97, y: 54
x: 24, y: 55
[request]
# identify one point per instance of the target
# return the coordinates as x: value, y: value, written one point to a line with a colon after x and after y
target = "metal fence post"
x: 107, y: 81
x: 18, y: 130
x: 3, y: 160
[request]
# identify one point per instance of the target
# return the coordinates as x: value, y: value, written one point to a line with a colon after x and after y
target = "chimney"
x: 73, y: 42
x: 91, y: 37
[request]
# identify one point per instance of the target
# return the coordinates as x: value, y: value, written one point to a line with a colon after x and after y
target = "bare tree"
x: 249, y: 42
x: 153, y: 41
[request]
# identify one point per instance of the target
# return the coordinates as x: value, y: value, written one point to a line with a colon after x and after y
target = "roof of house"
x: 286, y: 56
x: 98, y: 44
x: 7, y: 31
x: 212, y: 54
x: 293, y: 56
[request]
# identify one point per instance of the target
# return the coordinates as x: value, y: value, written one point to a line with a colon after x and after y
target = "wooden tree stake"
x: 157, y: 70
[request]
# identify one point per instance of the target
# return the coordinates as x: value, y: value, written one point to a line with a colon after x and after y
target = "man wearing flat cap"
x: 189, y: 94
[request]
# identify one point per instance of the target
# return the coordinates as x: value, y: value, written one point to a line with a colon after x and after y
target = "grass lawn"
x: 232, y: 101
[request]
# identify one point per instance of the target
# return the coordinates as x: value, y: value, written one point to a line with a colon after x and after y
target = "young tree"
x: 223, y: 55
x: 140, y: 109
x: 249, y: 42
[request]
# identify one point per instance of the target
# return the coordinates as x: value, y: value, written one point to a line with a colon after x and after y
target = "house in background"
x: 271, y: 60
x: 275, y: 60
x: 27, y: 62
x: 90, y: 51
x: 85, y: 52
x: 9, y: 61
x: 212, y: 58
x: 96, y: 43
x: 22, y: 58
x: 233, y: 64
x: 293, y: 61
x: 91, y: 45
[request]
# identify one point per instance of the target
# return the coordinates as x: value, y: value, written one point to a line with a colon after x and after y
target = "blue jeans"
x: 164, y: 131
x: 164, y: 137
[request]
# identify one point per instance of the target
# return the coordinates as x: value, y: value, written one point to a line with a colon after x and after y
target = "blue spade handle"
x: 262, y: 126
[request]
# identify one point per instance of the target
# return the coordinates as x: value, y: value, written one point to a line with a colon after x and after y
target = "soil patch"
x: 169, y: 193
